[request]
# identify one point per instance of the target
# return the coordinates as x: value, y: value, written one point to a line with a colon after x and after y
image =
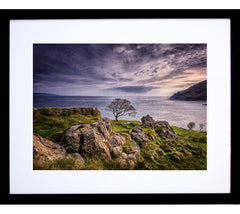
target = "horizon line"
x: 102, y: 95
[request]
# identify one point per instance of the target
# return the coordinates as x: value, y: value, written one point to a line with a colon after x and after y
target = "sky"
x: 117, y: 69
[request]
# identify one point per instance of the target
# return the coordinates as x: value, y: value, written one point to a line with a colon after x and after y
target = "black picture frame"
x: 231, y: 198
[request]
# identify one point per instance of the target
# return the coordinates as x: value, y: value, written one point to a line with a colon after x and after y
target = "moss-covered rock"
x: 139, y: 136
x: 163, y: 129
x: 106, y: 144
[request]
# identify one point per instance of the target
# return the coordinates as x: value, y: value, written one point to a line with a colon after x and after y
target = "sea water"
x: 177, y: 113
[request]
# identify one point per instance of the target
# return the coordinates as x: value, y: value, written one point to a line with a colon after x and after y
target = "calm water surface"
x: 177, y: 113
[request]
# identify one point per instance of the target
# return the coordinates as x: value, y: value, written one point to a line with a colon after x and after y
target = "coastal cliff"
x: 66, y: 111
x: 195, y: 92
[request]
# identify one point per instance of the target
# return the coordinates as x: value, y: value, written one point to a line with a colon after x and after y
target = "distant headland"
x: 44, y: 94
x: 195, y: 92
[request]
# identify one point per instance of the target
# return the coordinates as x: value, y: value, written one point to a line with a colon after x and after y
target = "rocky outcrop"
x: 108, y: 124
x: 67, y: 111
x: 96, y: 141
x: 195, y: 92
x: 99, y: 140
x: 135, y: 155
x: 70, y: 139
x: 147, y: 121
x: 117, y: 141
x: 45, y: 150
x: 139, y: 136
x: 162, y: 128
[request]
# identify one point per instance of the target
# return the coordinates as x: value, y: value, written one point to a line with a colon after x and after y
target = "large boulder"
x: 139, y: 136
x: 147, y: 121
x: 45, y: 150
x: 117, y: 142
x: 100, y: 141
x: 163, y: 129
x: 96, y: 141
x: 135, y: 156
x: 89, y: 139
x: 92, y: 139
x: 101, y: 127
x: 71, y: 138
x: 108, y: 124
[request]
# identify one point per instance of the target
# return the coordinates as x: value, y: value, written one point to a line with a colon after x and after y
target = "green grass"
x: 90, y: 163
x: 48, y: 126
x: 187, y: 152
x: 195, y: 138
x: 128, y: 147
x: 119, y: 127
x: 59, y: 164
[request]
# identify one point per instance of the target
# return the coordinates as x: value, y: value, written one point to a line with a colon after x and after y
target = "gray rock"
x: 139, y: 136
x: 147, y: 121
x: 117, y: 142
x: 137, y: 150
x: 108, y: 124
x: 78, y: 157
x: 137, y: 129
x: 99, y: 140
x: 46, y: 150
x: 71, y: 139
x: 96, y: 141
x: 116, y: 151
x: 163, y: 129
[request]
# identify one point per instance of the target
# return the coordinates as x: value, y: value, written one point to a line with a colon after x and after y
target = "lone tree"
x: 121, y: 107
x: 191, y: 125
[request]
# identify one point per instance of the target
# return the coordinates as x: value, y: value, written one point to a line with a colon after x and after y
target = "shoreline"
x: 98, y: 113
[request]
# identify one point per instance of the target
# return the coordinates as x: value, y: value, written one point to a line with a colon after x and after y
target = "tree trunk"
x: 116, y: 118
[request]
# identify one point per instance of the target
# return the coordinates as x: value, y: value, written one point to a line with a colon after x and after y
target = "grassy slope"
x: 47, y: 125
x: 188, y: 152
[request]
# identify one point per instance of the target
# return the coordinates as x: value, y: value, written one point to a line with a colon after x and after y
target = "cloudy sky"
x: 117, y: 69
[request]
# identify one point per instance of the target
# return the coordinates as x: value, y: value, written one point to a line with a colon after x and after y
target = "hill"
x: 80, y: 139
x: 195, y: 92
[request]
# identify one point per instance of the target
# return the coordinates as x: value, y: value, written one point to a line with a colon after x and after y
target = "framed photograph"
x: 121, y: 106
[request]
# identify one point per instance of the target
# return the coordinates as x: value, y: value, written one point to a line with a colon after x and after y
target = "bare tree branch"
x: 121, y: 107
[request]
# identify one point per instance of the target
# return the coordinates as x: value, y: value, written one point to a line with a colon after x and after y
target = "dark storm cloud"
x: 97, y: 67
x: 56, y: 60
x: 133, y: 89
